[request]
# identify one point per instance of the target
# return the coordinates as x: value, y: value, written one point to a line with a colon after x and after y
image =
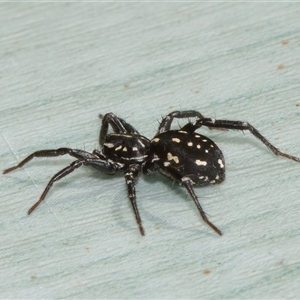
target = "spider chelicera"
x: 183, y: 155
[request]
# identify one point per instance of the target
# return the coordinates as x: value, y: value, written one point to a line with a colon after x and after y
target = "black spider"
x: 181, y: 155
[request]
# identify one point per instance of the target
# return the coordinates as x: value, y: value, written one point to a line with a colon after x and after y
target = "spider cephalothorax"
x: 182, y: 155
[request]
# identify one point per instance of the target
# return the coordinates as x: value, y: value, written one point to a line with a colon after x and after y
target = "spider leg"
x: 118, y: 125
x: 188, y: 186
x: 130, y: 175
x: 79, y: 154
x: 62, y: 173
x: 96, y: 160
x: 166, y: 122
x: 238, y: 125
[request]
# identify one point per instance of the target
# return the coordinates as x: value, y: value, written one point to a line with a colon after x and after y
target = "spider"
x: 183, y: 155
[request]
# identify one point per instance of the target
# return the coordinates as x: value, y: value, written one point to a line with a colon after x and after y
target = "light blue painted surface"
x: 62, y: 64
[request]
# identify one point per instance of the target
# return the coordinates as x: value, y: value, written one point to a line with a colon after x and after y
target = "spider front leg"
x: 166, y: 123
x: 79, y: 154
x: 118, y: 125
x: 62, y: 173
x: 130, y: 175
x: 237, y: 125
x: 96, y: 160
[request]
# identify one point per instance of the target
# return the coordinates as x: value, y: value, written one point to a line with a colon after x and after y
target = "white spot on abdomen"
x: 176, y: 140
x: 171, y: 157
x: 220, y: 162
x: 200, y: 162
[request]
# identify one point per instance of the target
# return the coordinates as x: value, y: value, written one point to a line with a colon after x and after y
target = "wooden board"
x: 61, y: 64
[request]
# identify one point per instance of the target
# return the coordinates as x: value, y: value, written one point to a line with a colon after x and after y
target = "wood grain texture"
x: 61, y: 64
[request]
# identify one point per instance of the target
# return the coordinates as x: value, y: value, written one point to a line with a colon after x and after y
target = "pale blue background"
x: 63, y: 64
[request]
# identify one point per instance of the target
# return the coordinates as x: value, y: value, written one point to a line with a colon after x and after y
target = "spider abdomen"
x: 181, y: 156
